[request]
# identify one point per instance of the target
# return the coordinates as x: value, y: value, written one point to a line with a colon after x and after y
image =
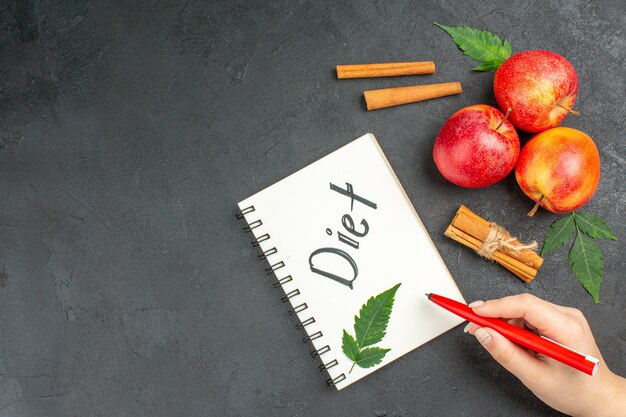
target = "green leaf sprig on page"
x: 370, y: 327
x: 585, y: 256
x: 480, y: 45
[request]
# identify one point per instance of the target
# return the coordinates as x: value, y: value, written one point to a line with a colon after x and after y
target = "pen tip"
x: 428, y: 295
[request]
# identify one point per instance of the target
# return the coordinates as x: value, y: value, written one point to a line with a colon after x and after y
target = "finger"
x: 470, y: 327
x: 531, y: 327
x: 521, y: 323
x: 540, y: 314
x: 511, y: 356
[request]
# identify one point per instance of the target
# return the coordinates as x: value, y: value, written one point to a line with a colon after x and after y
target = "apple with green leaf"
x: 540, y: 87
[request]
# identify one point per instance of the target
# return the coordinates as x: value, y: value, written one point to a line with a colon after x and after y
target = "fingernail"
x: 475, y: 304
x: 482, y: 336
x: 467, y: 327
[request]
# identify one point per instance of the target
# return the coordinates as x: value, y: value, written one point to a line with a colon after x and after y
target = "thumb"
x: 511, y: 356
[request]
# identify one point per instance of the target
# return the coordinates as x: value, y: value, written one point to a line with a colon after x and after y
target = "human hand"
x: 558, y: 385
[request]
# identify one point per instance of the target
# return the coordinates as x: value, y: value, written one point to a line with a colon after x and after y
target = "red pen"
x: 540, y: 344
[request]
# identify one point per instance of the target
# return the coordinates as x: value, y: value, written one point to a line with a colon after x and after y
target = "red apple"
x: 539, y: 87
x: 476, y: 147
x: 559, y: 169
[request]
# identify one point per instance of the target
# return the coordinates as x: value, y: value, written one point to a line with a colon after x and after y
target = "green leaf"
x: 587, y: 263
x: 371, y: 356
x: 369, y: 328
x: 349, y: 346
x: 480, y: 45
x: 559, y: 233
x: 594, y: 226
x: 371, y: 324
x: 488, y: 66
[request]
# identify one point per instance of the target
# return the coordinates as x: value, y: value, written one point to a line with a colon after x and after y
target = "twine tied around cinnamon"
x: 499, y: 238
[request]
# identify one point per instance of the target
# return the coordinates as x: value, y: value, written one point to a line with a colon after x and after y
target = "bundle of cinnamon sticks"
x: 495, y: 243
x: 388, y: 97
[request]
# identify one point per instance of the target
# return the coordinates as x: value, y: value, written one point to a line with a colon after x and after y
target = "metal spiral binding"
x: 305, y: 323
x: 288, y: 296
x: 330, y: 381
x: 275, y: 267
x: 298, y: 309
x: 320, y: 351
x: 251, y: 226
x: 314, y: 336
x: 282, y: 281
x: 328, y: 365
x: 245, y: 211
x: 262, y: 238
x: 268, y: 253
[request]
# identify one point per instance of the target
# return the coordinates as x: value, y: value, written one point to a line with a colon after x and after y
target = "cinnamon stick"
x: 478, y: 234
x: 388, y: 97
x: 390, y: 69
x: 520, y: 269
x: 473, y: 224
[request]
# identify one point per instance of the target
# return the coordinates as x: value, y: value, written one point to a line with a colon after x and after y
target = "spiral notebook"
x: 338, y: 233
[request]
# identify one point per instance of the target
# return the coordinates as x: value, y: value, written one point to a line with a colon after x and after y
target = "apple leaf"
x: 594, y: 226
x: 559, y: 233
x: 480, y: 45
x: 488, y: 66
x: 587, y: 263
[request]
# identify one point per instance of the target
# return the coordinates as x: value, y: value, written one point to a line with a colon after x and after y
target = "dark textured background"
x: 130, y: 129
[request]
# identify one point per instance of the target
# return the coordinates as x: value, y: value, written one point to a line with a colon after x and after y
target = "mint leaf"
x: 349, y: 346
x: 594, y: 226
x: 559, y: 233
x: 587, y: 263
x: 371, y: 324
x: 371, y: 356
x: 480, y: 45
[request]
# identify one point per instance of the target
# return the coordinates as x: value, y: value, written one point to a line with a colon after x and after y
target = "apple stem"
x: 506, y: 116
x: 574, y: 112
x: 534, y: 210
